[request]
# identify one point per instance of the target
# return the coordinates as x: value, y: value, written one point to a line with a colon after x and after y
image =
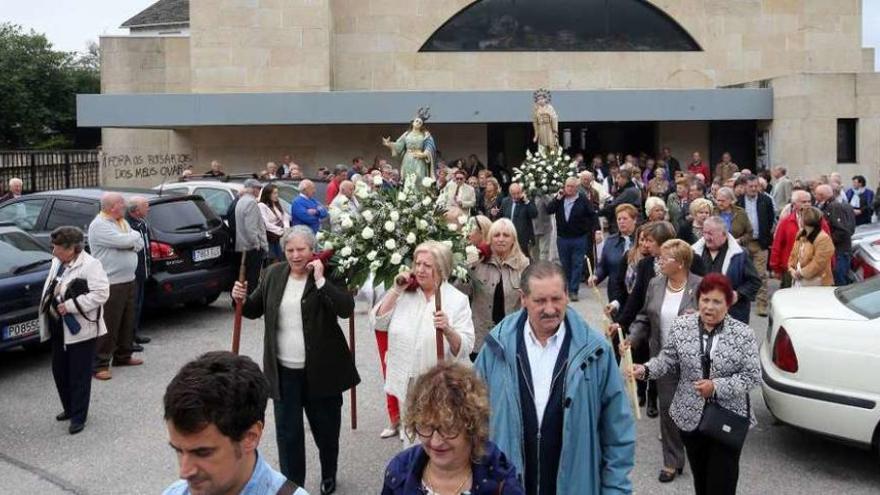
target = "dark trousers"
x: 571, y: 255
x: 841, y: 268
x: 119, y: 317
x: 715, y: 467
x: 138, y: 303
x: 325, y: 419
x: 673, y: 448
x: 72, y: 370
x: 253, y: 264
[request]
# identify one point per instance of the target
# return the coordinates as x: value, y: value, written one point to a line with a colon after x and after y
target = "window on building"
x: 846, y: 140
x: 560, y: 25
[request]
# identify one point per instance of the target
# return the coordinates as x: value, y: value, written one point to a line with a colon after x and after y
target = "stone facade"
x: 809, y: 51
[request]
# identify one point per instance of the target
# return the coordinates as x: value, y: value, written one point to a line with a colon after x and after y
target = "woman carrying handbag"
x: 717, y: 360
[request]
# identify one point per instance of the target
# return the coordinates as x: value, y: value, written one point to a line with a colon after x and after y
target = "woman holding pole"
x: 409, y: 312
x: 305, y: 356
x: 669, y: 295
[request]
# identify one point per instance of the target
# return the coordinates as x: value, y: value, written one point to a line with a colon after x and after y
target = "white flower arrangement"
x: 383, y: 237
x: 544, y: 172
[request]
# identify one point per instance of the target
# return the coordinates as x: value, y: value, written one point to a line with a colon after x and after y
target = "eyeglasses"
x: 666, y: 259
x: 427, y: 431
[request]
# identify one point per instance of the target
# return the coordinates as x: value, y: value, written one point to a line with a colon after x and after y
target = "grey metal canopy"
x: 385, y: 107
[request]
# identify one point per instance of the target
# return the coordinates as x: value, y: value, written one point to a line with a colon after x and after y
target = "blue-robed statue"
x: 417, y: 147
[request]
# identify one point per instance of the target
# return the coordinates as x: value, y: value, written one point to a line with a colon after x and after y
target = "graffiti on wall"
x: 138, y: 167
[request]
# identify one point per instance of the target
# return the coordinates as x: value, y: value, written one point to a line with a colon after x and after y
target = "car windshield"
x: 863, y: 297
x: 18, y: 253
x: 182, y: 216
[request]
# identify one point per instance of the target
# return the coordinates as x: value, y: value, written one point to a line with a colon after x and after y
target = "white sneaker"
x: 388, y: 433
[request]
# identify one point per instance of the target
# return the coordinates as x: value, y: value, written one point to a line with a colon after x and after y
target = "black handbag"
x: 78, y: 287
x: 719, y: 423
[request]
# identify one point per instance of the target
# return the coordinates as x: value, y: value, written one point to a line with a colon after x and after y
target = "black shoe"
x: 137, y: 348
x: 652, y: 411
x: 141, y: 340
x: 667, y: 476
x: 641, y: 401
x: 328, y: 486
x: 62, y: 417
x: 76, y: 428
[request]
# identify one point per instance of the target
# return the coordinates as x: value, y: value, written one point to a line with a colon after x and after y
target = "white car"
x: 820, y: 361
x: 219, y: 194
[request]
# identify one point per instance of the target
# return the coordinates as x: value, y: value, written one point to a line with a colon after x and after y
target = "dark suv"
x: 190, y: 249
x: 24, y: 266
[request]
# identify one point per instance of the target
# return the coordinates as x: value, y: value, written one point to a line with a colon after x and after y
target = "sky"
x: 70, y: 24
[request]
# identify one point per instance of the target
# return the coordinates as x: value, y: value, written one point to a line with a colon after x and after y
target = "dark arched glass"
x: 562, y: 26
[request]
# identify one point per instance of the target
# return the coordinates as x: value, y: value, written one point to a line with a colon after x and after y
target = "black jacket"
x: 766, y: 219
x: 612, y: 261
x: 522, y: 221
x: 582, y: 220
x: 630, y: 194
x: 842, y: 220
x: 330, y: 367
x: 484, y: 207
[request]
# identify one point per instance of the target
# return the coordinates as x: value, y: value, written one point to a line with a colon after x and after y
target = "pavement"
x: 124, y: 449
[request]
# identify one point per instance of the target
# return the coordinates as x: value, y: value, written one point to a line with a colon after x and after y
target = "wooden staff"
x: 630, y: 380
x: 437, y: 307
x: 605, y: 320
x: 353, y: 391
x: 236, y: 325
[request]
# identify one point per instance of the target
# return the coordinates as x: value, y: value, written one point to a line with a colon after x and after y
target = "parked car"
x: 866, y: 251
x: 190, y: 249
x: 219, y: 194
x: 821, y: 360
x: 24, y: 266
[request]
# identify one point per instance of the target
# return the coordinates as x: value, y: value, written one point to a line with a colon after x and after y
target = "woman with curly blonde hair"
x: 448, y: 412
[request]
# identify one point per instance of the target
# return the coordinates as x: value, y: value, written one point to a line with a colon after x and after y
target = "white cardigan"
x: 412, y: 347
x: 89, y: 268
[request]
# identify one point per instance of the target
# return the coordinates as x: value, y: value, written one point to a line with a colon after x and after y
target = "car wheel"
x: 37, y: 347
x: 205, y: 301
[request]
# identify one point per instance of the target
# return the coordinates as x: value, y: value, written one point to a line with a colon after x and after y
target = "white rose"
x: 452, y: 227
x: 343, y: 199
x: 368, y: 215
x: 319, y: 236
x: 328, y: 245
x: 423, y: 224
x: 472, y: 254
x: 377, y: 180
x: 447, y: 243
x: 347, y: 223
x: 389, y: 226
x: 346, y: 251
x: 375, y: 265
x: 367, y: 233
x: 390, y: 244
x: 426, y: 201
x: 427, y: 181
x: 394, y: 216
x: 396, y: 258
x: 401, y: 196
x: 372, y: 255
x: 411, y: 238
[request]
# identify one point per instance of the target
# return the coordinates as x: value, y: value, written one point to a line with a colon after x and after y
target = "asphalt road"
x: 124, y: 449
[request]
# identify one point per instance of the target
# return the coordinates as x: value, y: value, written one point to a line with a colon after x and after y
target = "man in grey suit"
x: 250, y: 232
x: 781, y: 191
x: 522, y: 213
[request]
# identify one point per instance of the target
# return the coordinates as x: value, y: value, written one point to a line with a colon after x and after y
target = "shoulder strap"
x: 288, y: 488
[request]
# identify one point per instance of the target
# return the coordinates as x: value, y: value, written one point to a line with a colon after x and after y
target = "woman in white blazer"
x: 73, y: 324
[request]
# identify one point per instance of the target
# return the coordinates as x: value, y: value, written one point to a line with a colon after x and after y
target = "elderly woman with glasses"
x: 449, y: 415
x: 70, y: 316
x: 409, y: 313
x: 670, y: 294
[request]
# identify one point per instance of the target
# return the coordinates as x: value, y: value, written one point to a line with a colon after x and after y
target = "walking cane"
x: 630, y: 381
x: 353, y: 391
x: 236, y: 325
x: 598, y: 294
x: 437, y: 307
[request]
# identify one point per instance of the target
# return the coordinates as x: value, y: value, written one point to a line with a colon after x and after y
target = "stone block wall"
x: 145, y: 64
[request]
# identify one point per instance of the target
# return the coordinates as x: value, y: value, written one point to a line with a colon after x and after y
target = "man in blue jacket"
x: 559, y: 409
x: 305, y: 209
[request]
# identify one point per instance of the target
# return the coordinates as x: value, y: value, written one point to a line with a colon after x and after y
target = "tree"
x: 38, y: 89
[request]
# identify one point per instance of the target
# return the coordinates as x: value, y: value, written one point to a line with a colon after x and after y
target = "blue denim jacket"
x: 264, y: 481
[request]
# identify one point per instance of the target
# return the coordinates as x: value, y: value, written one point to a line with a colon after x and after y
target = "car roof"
x: 201, y: 183
x: 96, y: 192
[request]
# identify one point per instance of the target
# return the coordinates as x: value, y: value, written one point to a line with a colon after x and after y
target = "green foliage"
x: 38, y: 89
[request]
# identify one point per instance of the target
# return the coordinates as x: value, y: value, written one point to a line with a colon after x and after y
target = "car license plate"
x: 22, y: 329
x: 206, y: 254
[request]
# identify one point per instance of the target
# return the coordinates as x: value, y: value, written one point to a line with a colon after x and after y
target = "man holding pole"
x: 305, y: 355
x: 559, y: 408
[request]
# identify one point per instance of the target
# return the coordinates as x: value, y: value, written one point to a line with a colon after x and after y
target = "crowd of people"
x: 503, y: 388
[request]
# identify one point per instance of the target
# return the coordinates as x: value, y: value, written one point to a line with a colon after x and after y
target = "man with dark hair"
x: 357, y: 168
x: 215, y: 410
x: 842, y: 221
x: 758, y: 206
x: 559, y: 409
x: 340, y: 173
x: 861, y: 199
x: 627, y: 193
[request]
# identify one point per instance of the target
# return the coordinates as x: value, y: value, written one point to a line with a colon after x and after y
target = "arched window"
x: 560, y: 25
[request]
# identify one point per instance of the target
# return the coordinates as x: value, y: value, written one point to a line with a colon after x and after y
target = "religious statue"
x: 417, y: 147
x: 545, y: 121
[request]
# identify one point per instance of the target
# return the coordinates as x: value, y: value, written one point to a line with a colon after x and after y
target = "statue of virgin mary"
x: 417, y: 147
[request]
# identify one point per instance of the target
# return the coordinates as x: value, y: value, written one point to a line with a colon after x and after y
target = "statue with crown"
x: 416, y: 146
x: 544, y: 171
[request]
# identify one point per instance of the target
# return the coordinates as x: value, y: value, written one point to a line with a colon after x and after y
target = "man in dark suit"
x: 138, y: 208
x: 521, y: 212
x: 627, y: 193
x: 576, y: 221
x: 759, y: 209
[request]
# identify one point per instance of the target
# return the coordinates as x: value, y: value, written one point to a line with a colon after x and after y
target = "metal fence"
x: 49, y: 170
